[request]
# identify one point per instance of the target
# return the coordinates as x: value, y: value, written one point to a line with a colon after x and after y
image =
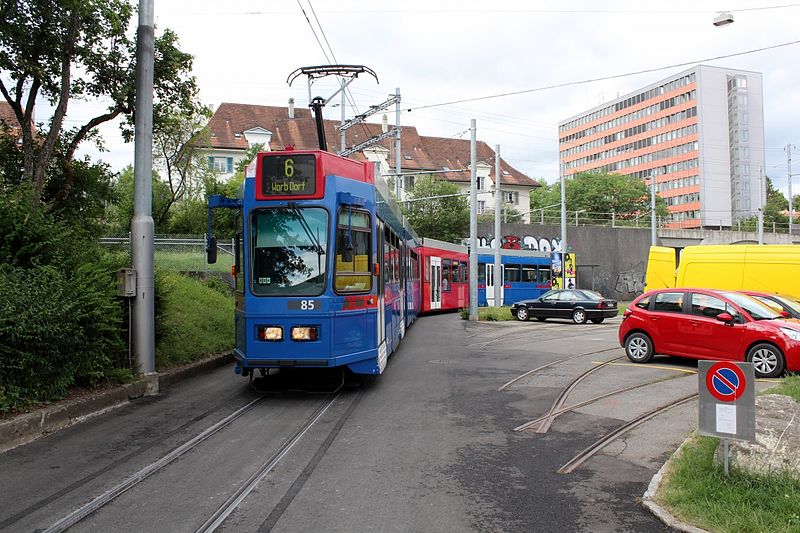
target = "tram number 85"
x: 303, y: 305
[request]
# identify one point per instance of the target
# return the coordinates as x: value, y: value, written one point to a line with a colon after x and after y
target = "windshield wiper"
x: 306, y: 228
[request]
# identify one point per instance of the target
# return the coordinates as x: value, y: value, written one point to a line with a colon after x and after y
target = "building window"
x: 511, y: 197
x: 481, y: 183
x: 481, y: 207
x: 223, y: 165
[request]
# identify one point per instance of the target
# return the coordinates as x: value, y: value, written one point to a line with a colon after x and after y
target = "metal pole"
x: 725, y: 455
x: 473, y: 224
x: 343, y: 142
x: 563, y: 227
x: 761, y: 206
x: 789, y: 176
x: 498, y: 274
x: 397, y: 156
x: 653, y: 235
x: 142, y: 224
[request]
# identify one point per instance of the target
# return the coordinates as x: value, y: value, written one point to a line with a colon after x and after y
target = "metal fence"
x: 186, y: 253
x: 642, y: 220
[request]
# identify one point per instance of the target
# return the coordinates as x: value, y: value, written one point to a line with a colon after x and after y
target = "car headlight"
x: 791, y: 333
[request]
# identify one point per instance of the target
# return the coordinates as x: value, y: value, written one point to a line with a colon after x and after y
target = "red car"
x: 709, y: 324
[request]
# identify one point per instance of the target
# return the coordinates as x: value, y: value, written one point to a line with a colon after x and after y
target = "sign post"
x: 727, y: 402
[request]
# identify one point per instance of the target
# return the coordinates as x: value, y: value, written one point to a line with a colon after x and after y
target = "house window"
x: 481, y: 183
x: 481, y: 207
x: 511, y: 197
x: 223, y: 165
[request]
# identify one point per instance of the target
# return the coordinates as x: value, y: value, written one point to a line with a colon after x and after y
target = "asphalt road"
x: 428, y: 446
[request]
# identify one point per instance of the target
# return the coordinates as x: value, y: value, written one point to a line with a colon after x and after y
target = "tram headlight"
x: 305, y: 333
x: 270, y: 333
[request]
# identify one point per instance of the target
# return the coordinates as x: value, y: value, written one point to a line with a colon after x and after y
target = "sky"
x: 441, y: 51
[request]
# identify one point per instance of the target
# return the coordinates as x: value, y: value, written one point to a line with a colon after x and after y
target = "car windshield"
x: 289, y: 247
x: 755, y: 309
x: 789, y: 301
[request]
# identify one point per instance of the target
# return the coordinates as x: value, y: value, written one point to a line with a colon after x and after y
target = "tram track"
x: 591, y: 451
x: 553, y: 363
x: 104, y: 499
x: 219, y: 516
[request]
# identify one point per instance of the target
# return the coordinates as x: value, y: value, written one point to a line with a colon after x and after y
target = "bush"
x: 57, y: 330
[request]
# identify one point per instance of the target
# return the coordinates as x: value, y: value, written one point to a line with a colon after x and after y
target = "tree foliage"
x: 599, y: 192
x: 445, y: 219
x: 66, y: 50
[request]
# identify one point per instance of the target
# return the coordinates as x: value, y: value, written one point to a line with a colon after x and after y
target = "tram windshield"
x: 289, y: 247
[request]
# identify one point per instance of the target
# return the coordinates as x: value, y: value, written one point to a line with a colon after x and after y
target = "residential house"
x: 236, y: 127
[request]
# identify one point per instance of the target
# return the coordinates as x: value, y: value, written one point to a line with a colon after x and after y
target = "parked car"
x: 578, y: 304
x: 786, y: 306
x: 709, y: 324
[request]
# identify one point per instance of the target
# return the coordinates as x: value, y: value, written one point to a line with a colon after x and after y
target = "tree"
x: 119, y: 215
x: 445, y: 219
x: 508, y: 215
x: 599, y: 192
x: 63, y: 50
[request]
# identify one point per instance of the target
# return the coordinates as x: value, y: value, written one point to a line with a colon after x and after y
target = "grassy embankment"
x: 697, y: 491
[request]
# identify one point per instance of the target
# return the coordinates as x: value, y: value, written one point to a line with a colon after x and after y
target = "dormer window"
x: 237, y: 135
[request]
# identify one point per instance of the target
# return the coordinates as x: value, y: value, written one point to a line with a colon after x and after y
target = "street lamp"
x: 576, y: 215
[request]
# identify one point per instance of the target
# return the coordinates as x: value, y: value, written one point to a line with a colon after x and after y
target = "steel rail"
x: 574, y: 406
x: 79, y: 514
x: 544, y: 426
x: 553, y: 363
x: 230, y: 505
x: 587, y: 454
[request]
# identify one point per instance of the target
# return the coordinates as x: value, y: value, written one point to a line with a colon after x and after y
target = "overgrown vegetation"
x: 697, y: 491
x: 194, y: 318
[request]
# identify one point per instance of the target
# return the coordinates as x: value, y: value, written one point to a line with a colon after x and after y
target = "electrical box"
x: 126, y: 282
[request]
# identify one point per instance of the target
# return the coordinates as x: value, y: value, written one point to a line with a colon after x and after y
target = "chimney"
x: 384, y: 124
x: 291, y: 107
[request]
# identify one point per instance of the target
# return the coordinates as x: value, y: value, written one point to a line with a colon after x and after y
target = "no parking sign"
x: 727, y: 400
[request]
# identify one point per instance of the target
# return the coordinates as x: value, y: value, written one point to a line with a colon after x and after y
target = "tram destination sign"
x: 289, y: 175
x: 727, y: 400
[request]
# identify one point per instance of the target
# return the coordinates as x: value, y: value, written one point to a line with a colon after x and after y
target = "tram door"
x: 381, y: 287
x: 490, y: 283
x: 436, y: 282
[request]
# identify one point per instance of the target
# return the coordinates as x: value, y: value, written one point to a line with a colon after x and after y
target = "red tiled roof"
x: 7, y: 115
x: 419, y: 153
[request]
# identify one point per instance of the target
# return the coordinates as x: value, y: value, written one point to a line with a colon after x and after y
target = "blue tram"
x: 326, y: 270
x: 525, y: 274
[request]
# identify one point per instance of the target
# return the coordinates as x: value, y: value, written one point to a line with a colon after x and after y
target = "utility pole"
x: 473, y: 223
x: 761, y: 207
x: 498, y: 274
x: 789, y: 176
x: 397, y: 156
x: 653, y: 235
x: 142, y: 225
x: 563, y: 226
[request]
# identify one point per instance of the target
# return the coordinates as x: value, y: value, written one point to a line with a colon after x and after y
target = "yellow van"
x: 765, y: 268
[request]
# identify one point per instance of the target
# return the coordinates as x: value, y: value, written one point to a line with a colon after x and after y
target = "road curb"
x: 28, y: 427
x: 648, y: 500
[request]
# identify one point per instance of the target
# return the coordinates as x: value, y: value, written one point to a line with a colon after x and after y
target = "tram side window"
x: 482, y: 273
x: 353, y: 270
x: 543, y: 275
x: 446, y: 278
x: 528, y: 274
x: 465, y: 273
x: 512, y: 273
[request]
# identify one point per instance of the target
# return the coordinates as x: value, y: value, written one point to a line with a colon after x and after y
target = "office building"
x: 699, y: 134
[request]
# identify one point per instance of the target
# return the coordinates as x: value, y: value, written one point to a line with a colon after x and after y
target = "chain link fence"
x: 184, y: 253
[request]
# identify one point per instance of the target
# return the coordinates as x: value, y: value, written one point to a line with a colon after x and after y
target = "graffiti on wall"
x: 526, y: 242
x: 631, y: 282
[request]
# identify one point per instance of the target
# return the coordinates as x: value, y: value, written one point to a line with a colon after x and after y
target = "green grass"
x: 191, y: 261
x: 789, y: 387
x: 195, y: 319
x: 495, y: 314
x: 697, y: 491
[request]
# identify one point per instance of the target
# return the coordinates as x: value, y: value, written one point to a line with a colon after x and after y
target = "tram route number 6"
x: 304, y: 305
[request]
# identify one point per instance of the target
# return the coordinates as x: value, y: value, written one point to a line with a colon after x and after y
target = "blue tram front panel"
x: 310, y: 294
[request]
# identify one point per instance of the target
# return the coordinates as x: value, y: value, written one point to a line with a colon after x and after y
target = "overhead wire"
x: 604, y: 78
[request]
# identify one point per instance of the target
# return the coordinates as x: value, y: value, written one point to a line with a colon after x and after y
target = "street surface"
x: 428, y: 446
